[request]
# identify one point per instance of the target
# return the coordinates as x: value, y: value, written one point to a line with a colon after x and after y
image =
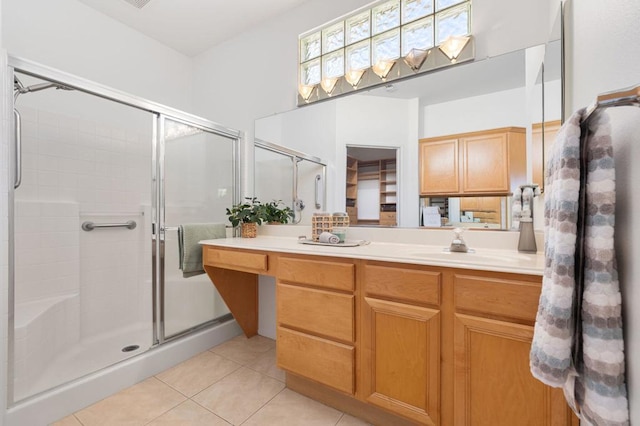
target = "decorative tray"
x: 345, y: 244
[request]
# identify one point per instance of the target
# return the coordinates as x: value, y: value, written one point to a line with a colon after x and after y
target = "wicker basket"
x: 325, y: 222
x: 249, y: 230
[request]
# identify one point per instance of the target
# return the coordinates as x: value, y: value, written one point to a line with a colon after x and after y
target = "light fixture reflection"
x: 415, y: 58
x: 328, y: 85
x: 453, y: 45
x: 306, y: 91
x: 382, y: 68
x: 354, y: 77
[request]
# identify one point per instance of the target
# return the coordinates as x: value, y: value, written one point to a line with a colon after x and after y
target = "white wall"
x: 604, y: 55
x: 500, y: 109
x: 380, y: 122
x: 72, y: 37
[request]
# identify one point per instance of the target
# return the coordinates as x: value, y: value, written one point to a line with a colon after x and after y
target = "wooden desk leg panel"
x: 239, y: 290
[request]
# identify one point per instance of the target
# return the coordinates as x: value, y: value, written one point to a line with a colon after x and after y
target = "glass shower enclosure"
x: 295, y: 178
x: 101, y: 181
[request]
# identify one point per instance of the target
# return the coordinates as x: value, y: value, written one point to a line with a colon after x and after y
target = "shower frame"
x: 159, y: 113
x: 297, y: 156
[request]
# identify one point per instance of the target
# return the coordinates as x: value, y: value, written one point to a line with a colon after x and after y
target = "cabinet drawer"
x: 388, y: 218
x: 238, y: 259
x: 317, y: 311
x: 339, y: 276
x: 409, y: 285
x: 498, y: 297
x: 318, y: 359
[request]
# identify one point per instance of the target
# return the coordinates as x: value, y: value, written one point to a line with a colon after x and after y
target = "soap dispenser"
x: 527, y: 241
x: 458, y: 245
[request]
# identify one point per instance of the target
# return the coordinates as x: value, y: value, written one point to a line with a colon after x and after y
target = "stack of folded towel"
x: 328, y: 238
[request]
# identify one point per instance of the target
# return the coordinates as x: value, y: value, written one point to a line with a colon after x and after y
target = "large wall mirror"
x: 519, y: 88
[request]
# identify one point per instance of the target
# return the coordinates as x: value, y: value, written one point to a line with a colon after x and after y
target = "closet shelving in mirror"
x: 352, y: 189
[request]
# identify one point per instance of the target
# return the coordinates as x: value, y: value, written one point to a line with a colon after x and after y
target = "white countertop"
x: 420, y: 254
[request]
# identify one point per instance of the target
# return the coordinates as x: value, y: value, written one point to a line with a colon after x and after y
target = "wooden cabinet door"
x: 485, y: 163
x: 492, y: 382
x: 401, y: 361
x: 439, y: 167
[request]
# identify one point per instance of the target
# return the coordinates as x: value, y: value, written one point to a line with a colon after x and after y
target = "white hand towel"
x: 328, y: 238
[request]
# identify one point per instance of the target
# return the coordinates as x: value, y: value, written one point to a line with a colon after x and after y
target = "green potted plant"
x: 276, y: 214
x: 248, y: 215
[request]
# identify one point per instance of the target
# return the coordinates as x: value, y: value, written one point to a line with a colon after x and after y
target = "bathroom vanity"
x: 398, y: 333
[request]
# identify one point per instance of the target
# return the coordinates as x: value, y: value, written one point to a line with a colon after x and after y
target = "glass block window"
x: 358, y: 56
x: 452, y: 22
x: 358, y: 27
x: 443, y: 4
x: 333, y: 64
x: 416, y: 9
x: 417, y: 35
x: 386, y: 30
x: 385, y: 46
x: 310, y: 47
x: 310, y: 73
x: 386, y: 16
x: 333, y: 38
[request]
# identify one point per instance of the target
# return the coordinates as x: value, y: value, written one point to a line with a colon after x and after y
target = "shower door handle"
x: 18, y: 158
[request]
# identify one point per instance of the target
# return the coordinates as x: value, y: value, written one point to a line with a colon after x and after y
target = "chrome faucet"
x: 458, y: 245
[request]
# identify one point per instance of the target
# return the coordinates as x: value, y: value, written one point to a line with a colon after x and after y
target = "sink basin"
x: 479, y: 258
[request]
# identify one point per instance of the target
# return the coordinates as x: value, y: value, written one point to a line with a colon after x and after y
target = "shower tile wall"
x: 73, y: 286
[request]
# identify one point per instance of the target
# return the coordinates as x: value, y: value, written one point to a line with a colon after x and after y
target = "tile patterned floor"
x: 235, y: 383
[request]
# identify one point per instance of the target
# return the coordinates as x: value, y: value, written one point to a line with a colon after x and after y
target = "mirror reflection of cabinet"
x: 542, y: 149
x: 439, y: 166
x: 487, y: 209
x: 489, y: 162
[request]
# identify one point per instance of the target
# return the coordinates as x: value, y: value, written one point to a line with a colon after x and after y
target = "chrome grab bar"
x: 318, y: 187
x: 90, y: 226
x: 18, y: 130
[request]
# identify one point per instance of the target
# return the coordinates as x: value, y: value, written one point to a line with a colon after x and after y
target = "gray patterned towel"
x: 595, y: 384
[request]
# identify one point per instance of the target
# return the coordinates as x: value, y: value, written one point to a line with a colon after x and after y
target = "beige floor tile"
x: 136, y: 405
x: 237, y: 396
x: 348, y: 420
x: 198, y: 373
x: 67, y: 421
x: 266, y: 364
x: 188, y: 414
x: 291, y: 408
x: 243, y: 350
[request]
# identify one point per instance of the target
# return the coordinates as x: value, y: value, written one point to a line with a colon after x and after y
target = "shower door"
x: 100, y: 181
x: 82, y: 290
x: 197, y: 170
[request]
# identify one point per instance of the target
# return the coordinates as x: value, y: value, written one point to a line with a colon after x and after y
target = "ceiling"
x: 193, y: 26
